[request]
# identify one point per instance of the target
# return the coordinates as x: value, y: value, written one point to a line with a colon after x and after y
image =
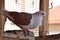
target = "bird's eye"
x: 42, y: 13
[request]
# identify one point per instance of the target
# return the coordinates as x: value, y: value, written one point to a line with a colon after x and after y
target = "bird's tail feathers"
x: 4, y: 11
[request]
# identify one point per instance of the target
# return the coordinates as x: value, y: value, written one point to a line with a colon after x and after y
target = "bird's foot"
x: 26, y: 32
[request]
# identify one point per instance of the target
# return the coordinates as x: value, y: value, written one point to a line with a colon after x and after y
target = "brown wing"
x: 22, y: 18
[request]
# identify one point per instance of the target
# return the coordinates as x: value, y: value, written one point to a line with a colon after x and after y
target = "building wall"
x: 54, y: 28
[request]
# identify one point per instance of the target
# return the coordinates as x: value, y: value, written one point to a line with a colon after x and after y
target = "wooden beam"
x: 1, y: 27
x: 44, y: 28
x: 19, y: 36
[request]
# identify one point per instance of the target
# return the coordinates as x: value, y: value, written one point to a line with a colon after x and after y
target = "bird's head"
x: 40, y: 13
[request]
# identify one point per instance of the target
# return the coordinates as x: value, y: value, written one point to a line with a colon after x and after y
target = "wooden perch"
x: 12, y: 36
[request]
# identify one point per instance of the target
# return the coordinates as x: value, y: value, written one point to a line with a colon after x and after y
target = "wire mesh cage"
x: 29, y: 6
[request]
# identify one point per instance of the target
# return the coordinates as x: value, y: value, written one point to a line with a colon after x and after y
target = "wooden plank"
x: 44, y: 28
x: 20, y: 36
x: 1, y: 27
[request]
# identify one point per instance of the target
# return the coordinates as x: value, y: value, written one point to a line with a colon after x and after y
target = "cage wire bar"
x: 22, y: 5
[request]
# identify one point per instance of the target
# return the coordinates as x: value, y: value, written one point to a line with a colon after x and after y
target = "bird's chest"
x: 35, y: 21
